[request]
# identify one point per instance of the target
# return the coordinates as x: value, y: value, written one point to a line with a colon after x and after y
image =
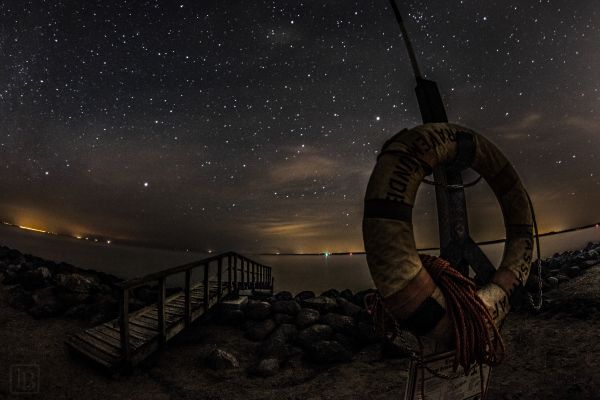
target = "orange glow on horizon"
x: 32, y: 229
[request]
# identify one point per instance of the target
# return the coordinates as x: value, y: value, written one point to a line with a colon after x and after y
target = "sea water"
x: 291, y: 272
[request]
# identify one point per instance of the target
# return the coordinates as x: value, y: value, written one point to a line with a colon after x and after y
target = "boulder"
x: 341, y: 323
x: 36, y: 278
x: 321, y: 304
x: 313, y: 334
x: 283, y: 318
x: 552, y: 282
x: 219, y: 360
x: 573, y: 271
x: 290, y: 307
x: 359, y: 298
x: 257, y: 310
x: 283, y: 295
x: 73, y: 288
x: 277, y: 345
x: 333, y: 293
x: 258, y: 331
x: 329, y: 352
x: 304, y: 295
x: 347, y: 307
x: 267, y: 367
x: 307, y: 317
x: 347, y: 294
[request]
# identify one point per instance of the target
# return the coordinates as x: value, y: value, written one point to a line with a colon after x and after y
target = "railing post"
x: 272, y: 285
x: 253, y: 275
x: 162, y: 329
x: 206, y: 288
x: 188, y: 298
x: 219, y: 278
x: 248, y: 273
x: 229, y: 273
x: 124, y: 326
x: 242, y: 280
x: 235, y: 272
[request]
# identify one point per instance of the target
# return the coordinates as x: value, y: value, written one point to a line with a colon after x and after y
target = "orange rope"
x: 477, y: 340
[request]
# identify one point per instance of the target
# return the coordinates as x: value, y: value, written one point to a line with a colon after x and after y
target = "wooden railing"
x: 242, y: 273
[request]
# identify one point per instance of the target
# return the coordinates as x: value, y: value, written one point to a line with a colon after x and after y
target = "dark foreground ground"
x: 553, y: 355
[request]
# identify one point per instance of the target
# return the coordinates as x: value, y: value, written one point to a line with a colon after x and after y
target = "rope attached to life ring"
x: 477, y: 340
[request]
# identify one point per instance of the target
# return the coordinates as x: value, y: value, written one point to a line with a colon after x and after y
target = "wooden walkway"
x: 128, y: 340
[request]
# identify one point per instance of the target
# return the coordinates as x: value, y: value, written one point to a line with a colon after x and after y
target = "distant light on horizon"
x: 32, y: 229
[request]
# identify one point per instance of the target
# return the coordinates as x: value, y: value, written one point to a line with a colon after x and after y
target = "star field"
x: 255, y: 126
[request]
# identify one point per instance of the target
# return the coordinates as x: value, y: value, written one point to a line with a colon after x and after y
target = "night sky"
x: 254, y: 126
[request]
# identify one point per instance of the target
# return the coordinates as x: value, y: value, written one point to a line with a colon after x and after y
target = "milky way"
x: 255, y: 125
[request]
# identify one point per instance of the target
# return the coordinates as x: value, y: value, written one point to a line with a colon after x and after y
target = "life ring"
x: 408, y: 290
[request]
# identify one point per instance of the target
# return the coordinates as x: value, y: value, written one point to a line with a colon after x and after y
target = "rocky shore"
x: 287, y: 346
x: 324, y: 329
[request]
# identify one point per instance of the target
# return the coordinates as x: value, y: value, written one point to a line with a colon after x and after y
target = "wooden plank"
x: 99, y: 345
x: 146, y: 333
x: 161, y: 310
x: 112, y: 340
x: 144, y: 323
x: 124, y: 324
x: 90, y: 352
x: 114, y: 332
x: 187, y: 301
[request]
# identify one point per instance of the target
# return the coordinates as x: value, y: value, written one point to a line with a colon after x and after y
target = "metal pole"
x: 456, y: 245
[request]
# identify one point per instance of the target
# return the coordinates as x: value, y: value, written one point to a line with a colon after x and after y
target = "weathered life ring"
x: 408, y: 290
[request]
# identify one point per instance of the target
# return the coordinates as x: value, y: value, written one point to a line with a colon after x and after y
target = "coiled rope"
x: 477, y: 340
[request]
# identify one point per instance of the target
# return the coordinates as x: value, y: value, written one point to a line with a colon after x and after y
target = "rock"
x: 258, y: 310
x: 290, y: 307
x: 329, y: 352
x: 283, y: 318
x: 35, y: 279
x: 309, y: 336
x: 321, y: 304
x: 573, y: 271
x: 283, y: 295
x: 359, y: 298
x: 45, y: 304
x: 305, y: 295
x: 73, y: 289
x: 341, y: 323
x: 347, y: 294
x: 589, y: 263
x: 267, y: 367
x: 333, y: 293
x: 347, y: 307
x: 258, y: 331
x: 307, y: 317
x: 277, y: 345
x: 552, y: 282
x: 220, y: 360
